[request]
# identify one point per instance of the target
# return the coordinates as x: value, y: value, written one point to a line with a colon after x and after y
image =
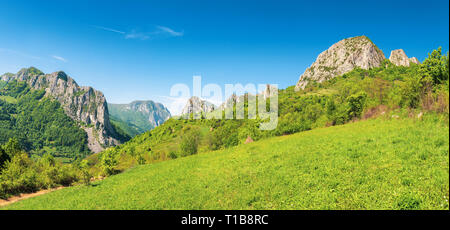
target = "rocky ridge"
x: 81, y: 103
x: 342, y: 57
x: 398, y: 57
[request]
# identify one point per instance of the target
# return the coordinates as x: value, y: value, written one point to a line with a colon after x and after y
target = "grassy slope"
x: 374, y: 164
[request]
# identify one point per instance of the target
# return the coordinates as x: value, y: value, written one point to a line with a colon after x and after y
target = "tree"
x: 436, y: 67
x: 4, y: 157
x: 109, y: 161
x: 356, y: 104
x: 12, y: 147
x: 190, y: 141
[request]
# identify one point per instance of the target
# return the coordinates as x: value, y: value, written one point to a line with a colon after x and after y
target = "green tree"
x: 4, y: 157
x: 190, y: 141
x: 108, y: 161
x: 12, y: 147
x: 436, y: 67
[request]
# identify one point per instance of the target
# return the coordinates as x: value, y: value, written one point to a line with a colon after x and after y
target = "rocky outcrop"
x: 414, y: 60
x: 341, y: 58
x: 398, y: 57
x: 196, y: 105
x: 81, y: 103
x: 154, y: 113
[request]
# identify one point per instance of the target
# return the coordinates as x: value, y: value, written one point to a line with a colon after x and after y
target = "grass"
x: 373, y: 164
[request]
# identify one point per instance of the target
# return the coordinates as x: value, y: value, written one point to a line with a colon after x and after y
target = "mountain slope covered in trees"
x: 138, y: 116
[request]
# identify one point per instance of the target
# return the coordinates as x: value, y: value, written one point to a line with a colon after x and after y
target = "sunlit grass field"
x: 375, y: 164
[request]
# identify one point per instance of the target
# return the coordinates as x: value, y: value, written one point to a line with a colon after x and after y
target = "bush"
x: 108, y: 162
x: 190, y: 141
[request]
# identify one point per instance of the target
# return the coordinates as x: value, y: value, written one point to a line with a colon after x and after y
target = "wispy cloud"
x: 136, y: 35
x: 59, y: 58
x: 170, y: 31
x: 159, y: 31
x: 109, y: 29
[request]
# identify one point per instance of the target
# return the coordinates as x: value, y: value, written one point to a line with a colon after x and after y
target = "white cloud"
x: 59, y: 58
x: 135, y: 35
x: 170, y: 31
x: 109, y: 29
x: 160, y: 31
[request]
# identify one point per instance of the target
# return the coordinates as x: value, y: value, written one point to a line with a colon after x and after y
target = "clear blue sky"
x: 138, y: 49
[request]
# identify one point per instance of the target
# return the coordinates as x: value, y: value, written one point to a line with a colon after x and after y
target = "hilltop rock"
x: 414, y: 60
x: 398, y: 57
x: 341, y: 58
x: 195, y: 105
x: 81, y: 103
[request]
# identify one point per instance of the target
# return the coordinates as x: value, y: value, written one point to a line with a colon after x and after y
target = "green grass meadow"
x: 383, y: 163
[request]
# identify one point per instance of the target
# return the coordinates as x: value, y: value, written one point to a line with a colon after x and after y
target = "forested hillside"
x: 138, y: 116
x: 38, y: 123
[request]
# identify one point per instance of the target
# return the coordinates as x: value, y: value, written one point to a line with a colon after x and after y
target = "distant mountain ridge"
x: 139, y: 116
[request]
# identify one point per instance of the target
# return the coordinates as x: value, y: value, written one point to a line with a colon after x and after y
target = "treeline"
x: 39, y: 123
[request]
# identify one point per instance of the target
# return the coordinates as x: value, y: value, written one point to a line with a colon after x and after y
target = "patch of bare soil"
x: 26, y: 196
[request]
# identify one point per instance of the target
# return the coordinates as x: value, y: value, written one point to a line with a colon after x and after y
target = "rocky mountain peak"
x: 342, y: 57
x: 83, y: 104
x: 196, y: 105
x: 154, y: 113
x: 398, y: 57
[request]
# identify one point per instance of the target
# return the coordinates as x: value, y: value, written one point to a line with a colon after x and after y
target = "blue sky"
x: 136, y: 50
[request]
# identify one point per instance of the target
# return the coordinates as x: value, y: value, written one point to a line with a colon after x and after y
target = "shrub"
x: 108, y: 161
x: 190, y: 141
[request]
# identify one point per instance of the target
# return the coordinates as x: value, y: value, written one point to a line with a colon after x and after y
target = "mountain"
x: 196, y: 105
x: 398, y: 57
x: 138, y: 116
x: 83, y: 104
x: 341, y: 58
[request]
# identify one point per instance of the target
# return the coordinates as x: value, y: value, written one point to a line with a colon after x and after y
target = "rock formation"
x: 341, y: 58
x: 196, y: 105
x: 81, y: 103
x: 398, y: 57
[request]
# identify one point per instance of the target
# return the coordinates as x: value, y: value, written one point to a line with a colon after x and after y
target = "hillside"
x: 138, y: 116
x: 39, y: 123
x: 385, y: 163
x: 357, y: 94
x: 82, y: 104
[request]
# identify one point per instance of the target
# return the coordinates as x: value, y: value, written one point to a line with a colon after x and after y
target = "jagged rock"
x: 341, y: 58
x: 196, y: 105
x: 398, y: 57
x: 83, y: 104
x: 414, y: 60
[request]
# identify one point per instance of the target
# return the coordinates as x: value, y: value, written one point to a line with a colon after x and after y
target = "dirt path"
x: 26, y: 196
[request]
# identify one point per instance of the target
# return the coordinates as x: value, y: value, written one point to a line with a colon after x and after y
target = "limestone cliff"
x: 341, y: 58
x: 82, y: 103
x: 196, y: 105
x: 398, y: 57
